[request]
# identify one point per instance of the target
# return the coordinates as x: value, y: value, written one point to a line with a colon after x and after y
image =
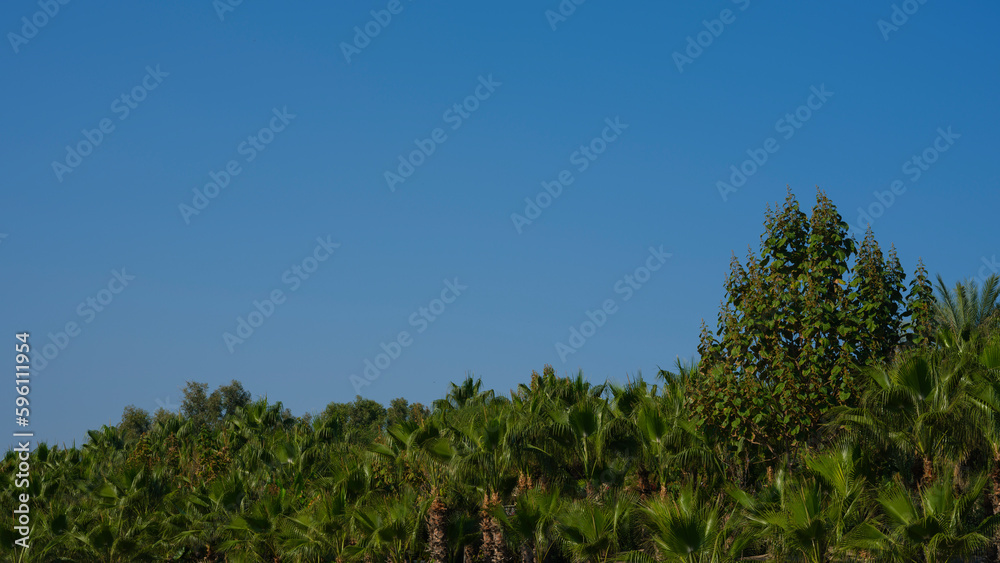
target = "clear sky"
x: 113, y: 115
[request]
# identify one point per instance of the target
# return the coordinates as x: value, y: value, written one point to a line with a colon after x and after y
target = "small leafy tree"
x: 196, y: 405
x: 135, y: 422
x: 361, y: 421
x: 228, y: 398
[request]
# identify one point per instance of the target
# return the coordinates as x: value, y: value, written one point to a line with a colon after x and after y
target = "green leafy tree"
x: 878, y: 301
x: 400, y: 410
x: 228, y: 398
x: 135, y: 422
x: 162, y: 416
x: 920, y: 308
x: 196, y: 405
x: 362, y: 421
x: 792, y: 328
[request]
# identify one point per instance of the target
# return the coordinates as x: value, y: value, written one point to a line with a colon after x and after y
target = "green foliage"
x: 135, y: 422
x: 361, y: 421
x: 935, y: 524
x: 793, y: 327
x: 966, y: 312
x: 227, y: 399
x: 196, y: 406
x: 920, y: 309
x: 877, y: 302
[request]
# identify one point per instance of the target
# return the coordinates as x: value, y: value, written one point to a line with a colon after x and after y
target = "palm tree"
x: 319, y: 531
x: 124, y: 524
x: 849, y: 509
x: 788, y: 515
x: 987, y: 398
x: 469, y: 392
x: 196, y: 517
x: 595, y: 531
x: 674, y: 436
x: 463, y: 533
x: 254, y: 533
x: 422, y: 447
x: 826, y: 516
x: 388, y: 528
x: 961, y: 312
x: 687, y: 528
x: 919, y: 406
x: 937, y: 525
x: 531, y: 528
x: 483, y: 462
x: 595, y: 436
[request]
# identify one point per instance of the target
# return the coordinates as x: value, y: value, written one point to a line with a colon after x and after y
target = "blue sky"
x: 202, y: 91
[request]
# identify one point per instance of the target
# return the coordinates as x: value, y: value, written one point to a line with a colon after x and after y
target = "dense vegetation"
x: 836, y: 414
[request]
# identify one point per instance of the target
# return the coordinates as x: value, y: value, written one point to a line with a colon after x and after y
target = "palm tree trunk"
x: 468, y: 555
x: 928, y: 475
x: 523, y: 484
x: 527, y: 553
x: 494, y: 549
x: 995, y: 497
x: 643, y: 484
x: 437, y: 543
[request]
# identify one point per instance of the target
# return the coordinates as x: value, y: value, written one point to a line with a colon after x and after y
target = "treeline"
x: 839, y: 411
x: 360, y: 422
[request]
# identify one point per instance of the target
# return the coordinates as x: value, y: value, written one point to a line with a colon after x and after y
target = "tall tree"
x: 878, y: 301
x: 793, y: 327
